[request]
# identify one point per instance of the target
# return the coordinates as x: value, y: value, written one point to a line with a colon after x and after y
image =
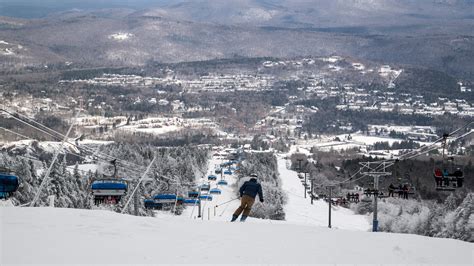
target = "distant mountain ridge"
x: 432, y: 34
x: 244, y: 11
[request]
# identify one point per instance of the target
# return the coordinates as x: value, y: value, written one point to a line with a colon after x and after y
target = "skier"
x: 248, y: 192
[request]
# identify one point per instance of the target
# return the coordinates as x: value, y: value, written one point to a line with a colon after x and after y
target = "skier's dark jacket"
x: 252, y: 188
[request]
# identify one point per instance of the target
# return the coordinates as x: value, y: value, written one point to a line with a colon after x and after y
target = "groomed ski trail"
x: 299, y: 210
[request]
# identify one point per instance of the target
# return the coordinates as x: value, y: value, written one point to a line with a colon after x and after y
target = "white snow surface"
x: 71, y: 236
x: 298, y: 209
x: 66, y: 236
x: 84, y: 168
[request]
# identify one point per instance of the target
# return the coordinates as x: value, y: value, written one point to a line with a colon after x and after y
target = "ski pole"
x: 226, y: 202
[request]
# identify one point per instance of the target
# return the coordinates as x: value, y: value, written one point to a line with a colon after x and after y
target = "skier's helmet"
x: 253, y: 177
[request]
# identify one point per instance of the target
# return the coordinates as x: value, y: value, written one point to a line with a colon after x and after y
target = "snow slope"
x: 31, y: 235
x: 298, y: 210
x: 224, y: 212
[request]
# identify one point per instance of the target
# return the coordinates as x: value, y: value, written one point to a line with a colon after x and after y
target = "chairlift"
x: 215, y: 191
x: 109, y: 190
x: 205, y: 187
x: 167, y: 198
x: 448, y: 176
x: 151, y: 204
x: 8, y: 183
x: 191, y: 202
x: 222, y: 183
x: 193, y: 194
x: 212, y: 177
x: 205, y: 197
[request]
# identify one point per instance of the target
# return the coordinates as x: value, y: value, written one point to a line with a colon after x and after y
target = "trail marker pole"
x: 312, y: 191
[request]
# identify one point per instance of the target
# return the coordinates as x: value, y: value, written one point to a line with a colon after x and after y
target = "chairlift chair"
x: 448, y: 176
x: 8, y: 183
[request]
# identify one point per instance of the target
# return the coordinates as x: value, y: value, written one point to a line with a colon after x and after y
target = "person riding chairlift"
x: 446, y: 177
x: 438, y: 177
x: 459, y: 177
x: 391, y: 189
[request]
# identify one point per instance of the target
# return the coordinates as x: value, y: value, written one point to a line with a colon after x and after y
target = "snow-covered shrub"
x: 459, y: 223
x: 364, y: 206
x: 403, y: 216
x: 453, y: 218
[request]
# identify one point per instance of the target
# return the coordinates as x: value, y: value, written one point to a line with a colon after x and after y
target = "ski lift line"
x: 428, y: 148
x: 434, y: 148
x: 138, y: 184
x: 82, y: 171
x: 32, y: 126
x: 36, y: 160
x: 23, y: 136
x: 60, y: 136
x: 39, y: 129
x: 55, y: 157
x: 421, y: 149
x: 77, y: 155
x: 13, y: 132
x: 45, y: 128
x: 453, y: 133
x: 411, y: 157
x: 30, y: 158
x: 80, y: 148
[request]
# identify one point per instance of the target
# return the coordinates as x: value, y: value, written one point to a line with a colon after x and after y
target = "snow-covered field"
x: 121, y: 36
x: 69, y: 236
x: 344, y: 142
x: 162, y: 125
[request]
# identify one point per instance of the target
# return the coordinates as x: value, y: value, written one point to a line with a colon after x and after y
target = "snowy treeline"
x: 454, y: 218
x: 71, y: 190
x: 174, y: 170
x: 265, y: 166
